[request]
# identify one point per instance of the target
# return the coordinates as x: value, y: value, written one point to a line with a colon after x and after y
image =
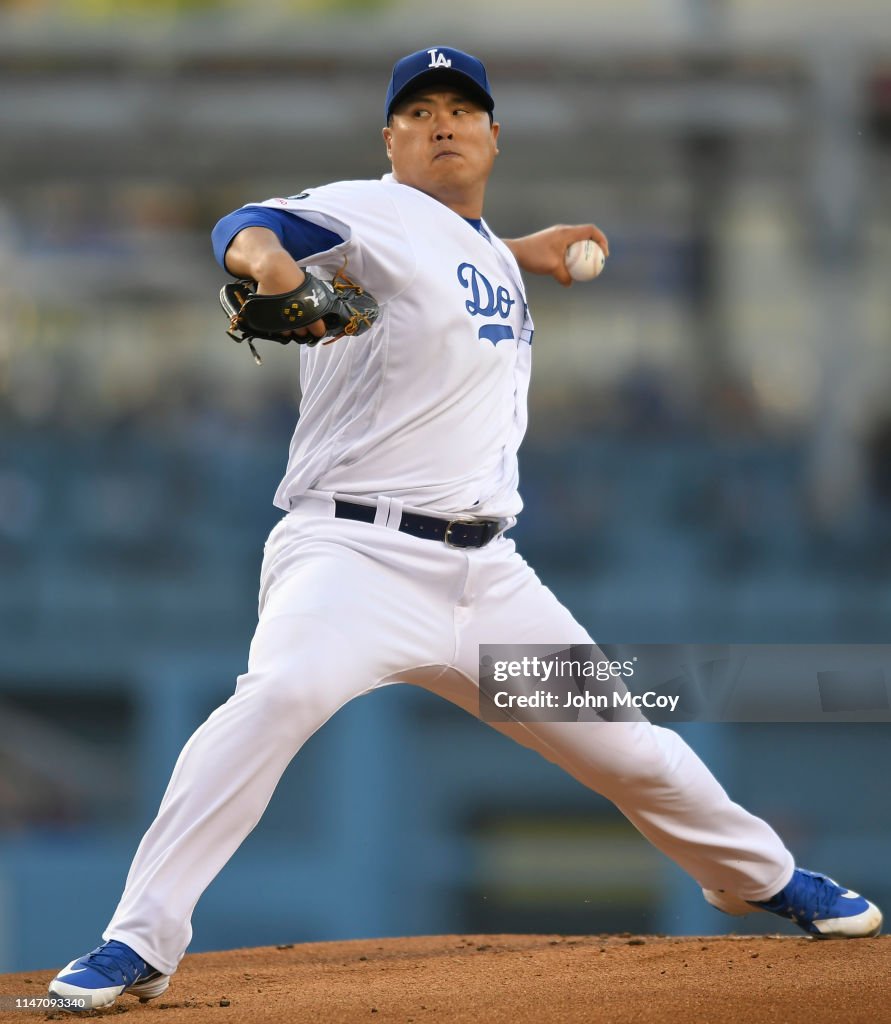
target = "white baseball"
x: 584, y: 260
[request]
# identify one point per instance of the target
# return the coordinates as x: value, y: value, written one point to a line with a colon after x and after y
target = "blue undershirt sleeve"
x: 298, y: 237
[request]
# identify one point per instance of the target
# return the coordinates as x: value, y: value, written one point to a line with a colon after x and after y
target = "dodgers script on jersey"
x: 429, y: 406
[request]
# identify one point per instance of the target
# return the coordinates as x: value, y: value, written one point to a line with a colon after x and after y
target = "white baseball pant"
x: 346, y: 607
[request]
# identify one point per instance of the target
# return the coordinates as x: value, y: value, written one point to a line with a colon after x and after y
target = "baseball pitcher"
x: 392, y: 561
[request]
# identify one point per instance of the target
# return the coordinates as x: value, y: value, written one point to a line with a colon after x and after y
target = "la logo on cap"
x: 438, y: 66
x: 438, y: 60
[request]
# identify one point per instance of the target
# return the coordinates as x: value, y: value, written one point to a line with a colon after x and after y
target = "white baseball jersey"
x: 430, y: 405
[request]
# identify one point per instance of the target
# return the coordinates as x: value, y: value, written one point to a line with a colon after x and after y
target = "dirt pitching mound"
x: 512, y: 979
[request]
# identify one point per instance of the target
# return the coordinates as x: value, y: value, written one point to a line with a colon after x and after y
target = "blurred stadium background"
x: 710, y: 420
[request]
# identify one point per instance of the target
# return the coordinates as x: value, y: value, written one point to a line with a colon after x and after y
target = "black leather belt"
x: 456, y: 533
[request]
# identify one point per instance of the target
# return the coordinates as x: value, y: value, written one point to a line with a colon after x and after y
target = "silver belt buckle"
x: 453, y: 522
x: 469, y: 522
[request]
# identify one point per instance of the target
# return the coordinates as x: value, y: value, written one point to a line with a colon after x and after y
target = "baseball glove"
x: 345, y: 308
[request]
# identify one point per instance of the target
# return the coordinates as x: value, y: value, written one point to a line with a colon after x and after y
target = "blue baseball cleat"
x: 101, y: 976
x: 816, y: 903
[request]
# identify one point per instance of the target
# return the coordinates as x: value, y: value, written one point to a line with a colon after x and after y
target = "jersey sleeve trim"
x: 300, y: 237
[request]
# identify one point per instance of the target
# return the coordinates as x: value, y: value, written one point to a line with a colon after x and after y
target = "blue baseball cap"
x: 439, y: 65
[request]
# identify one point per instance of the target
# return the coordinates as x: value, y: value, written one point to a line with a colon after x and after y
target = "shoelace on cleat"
x: 115, y: 965
x: 822, y: 898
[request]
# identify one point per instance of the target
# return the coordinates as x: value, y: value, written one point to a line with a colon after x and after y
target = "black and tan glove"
x: 344, y: 307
